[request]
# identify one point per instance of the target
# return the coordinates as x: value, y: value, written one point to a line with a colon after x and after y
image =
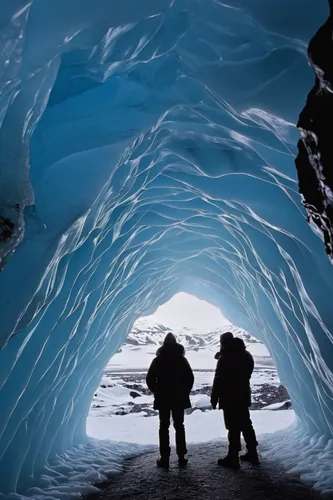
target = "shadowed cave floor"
x: 203, y: 479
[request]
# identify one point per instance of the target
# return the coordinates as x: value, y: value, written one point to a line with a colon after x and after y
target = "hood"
x: 170, y: 339
x: 239, y: 345
x: 171, y: 349
x: 236, y: 346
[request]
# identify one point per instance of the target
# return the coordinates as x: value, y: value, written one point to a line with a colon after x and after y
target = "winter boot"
x: 163, y: 462
x: 251, y: 456
x: 231, y: 461
x: 182, y: 461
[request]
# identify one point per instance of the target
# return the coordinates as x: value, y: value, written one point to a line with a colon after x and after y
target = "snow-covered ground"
x: 121, y: 393
x: 79, y: 469
x: 122, y: 409
x: 200, y: 426
x: 123, y: 424
x: 311, y: 457
x: 139, y: 357
x: 76, y: 472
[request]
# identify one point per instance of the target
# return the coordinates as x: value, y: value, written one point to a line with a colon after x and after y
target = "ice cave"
x: 148, y: 148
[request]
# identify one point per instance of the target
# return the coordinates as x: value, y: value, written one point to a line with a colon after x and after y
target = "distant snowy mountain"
x: 144, y: 333
x: 143, y: 341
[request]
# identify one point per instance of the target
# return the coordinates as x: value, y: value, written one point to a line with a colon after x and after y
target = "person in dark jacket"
x: 170, y: 379
x: 231, y: 389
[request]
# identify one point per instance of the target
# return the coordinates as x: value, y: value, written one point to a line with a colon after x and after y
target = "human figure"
x: 170, y: 379
x: 231, y: 389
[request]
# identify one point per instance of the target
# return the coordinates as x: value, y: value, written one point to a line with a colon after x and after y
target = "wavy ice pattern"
x: 151, y: 147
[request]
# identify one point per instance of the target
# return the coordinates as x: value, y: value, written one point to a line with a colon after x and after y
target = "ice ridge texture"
x: 148, y: 148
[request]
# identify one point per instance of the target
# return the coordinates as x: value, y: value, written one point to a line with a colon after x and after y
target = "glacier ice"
x: 148, y: 148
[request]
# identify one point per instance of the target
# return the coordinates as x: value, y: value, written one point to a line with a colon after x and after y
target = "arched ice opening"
x: 197, y: 326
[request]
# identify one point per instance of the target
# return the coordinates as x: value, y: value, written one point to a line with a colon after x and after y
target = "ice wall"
x: 151, y: 146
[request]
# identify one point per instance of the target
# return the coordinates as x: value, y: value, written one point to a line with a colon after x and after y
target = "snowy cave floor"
x: 122, y: 412
x: 203, y: 479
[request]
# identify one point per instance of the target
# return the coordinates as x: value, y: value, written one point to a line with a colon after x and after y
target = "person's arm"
x: 151, y: 378
x: 188, y: 375
x: 250, y: 363
x: 216, y: 384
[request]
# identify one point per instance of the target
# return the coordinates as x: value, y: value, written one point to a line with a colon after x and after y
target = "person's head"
x: 239, y: 344
x: 226, y: 339
x: 170, y: 339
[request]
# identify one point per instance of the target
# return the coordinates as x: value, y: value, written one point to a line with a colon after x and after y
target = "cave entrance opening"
x: 122, y: 406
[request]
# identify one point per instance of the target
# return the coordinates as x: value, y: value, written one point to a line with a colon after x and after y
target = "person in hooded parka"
x: 170, y: 379
x: 231, y: 390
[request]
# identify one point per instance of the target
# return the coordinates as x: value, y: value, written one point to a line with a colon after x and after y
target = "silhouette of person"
x: 231, y: 389
x: 170, y: 379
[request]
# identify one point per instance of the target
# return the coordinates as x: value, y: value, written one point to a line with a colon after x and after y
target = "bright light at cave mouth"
x: 185, y: 310
x: 122, y: 406
x: 197, y: 325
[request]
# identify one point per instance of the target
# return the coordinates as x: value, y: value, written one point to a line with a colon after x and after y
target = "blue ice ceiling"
x: 147, y: 148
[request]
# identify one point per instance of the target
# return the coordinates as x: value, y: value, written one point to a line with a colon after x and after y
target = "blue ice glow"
x: 160, y: 139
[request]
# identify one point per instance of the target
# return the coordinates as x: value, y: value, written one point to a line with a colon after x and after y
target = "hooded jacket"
x: 231, y: 386
x: 170, y: 378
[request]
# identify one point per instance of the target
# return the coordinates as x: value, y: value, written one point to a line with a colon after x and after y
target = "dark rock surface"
x: 314, y: 162
x: 202, y: 479
x: 11, y: 231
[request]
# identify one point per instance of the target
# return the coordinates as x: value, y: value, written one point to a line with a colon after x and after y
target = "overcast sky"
x: 186, y: 310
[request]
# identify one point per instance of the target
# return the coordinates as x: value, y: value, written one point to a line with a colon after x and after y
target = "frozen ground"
x: 202, y: 480
x: 283, y: 447
x: 78, y: 470
x: 122, y: 411
x: 137, y: 357
x: 122, y: 408
x: 122, y: 393
x: 201, y: 426
x: 122, y: 428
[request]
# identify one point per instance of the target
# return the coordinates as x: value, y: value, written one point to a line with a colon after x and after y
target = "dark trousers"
x: 237, y: 420
x: 178, y: 423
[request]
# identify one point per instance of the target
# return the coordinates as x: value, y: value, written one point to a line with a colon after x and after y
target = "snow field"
x: 75, y: 472
x: 138, y: 357
x: 201, y: 427
x: 114, y: 395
